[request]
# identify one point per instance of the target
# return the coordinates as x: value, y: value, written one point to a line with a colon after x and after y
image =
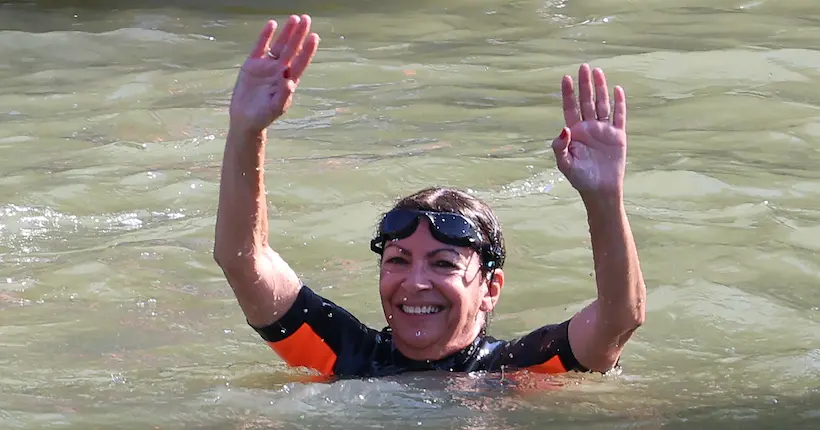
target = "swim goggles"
x: 446, y: 227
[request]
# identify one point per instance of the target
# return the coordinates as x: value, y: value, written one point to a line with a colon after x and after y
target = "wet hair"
x: 444, y: 199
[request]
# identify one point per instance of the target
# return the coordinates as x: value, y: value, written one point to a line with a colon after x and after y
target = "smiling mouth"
x: 420, y: 310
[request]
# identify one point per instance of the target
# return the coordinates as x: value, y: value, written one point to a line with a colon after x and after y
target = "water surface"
x: 112, y: 125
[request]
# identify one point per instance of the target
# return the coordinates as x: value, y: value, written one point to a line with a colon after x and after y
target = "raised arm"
x: 591, y: 153
x: 264, y: 284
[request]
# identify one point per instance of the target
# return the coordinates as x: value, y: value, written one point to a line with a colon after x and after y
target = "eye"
x: 446, y: 264
x: 396, y: 260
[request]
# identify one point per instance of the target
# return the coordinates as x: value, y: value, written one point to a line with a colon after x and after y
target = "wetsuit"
x: 317, y: 334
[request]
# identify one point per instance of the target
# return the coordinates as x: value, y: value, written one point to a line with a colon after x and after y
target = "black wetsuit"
x: 317, y: 334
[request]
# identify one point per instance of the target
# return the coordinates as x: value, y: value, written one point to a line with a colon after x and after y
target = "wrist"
x: 603, y: 205
x: 242, y: 135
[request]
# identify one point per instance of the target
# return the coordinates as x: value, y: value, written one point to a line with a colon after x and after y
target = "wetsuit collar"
x: 460, y: 361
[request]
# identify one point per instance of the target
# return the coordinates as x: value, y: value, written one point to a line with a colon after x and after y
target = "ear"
x: 493, y: 291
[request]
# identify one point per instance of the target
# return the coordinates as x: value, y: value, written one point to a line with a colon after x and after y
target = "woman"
x: 442, y: 251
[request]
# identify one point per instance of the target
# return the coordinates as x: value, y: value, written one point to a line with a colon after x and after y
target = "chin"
x: 417, y: 347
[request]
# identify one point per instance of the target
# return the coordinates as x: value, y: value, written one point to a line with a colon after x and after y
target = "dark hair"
x: 443, y: 199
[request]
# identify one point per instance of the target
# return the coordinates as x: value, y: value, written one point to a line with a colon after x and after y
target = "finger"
x: 304, y: 57
x: 571, y: 114
x: 560, y: 146
x: 619, y: 118
x: 264, y: 40
x: 284, y: 36
x: 280, y: 100
x: 601, y: 95
x: 294, y: 44
x: 585, y: 92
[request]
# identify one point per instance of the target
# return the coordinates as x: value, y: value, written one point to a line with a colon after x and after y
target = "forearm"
x: 242, y: 215
x: 264, y: 284
x: 621, y: 288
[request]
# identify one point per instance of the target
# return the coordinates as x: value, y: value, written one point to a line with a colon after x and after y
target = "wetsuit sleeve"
x: 545, y: 350
x: 317, y: 334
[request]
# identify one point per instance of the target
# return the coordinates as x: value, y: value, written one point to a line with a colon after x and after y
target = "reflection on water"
x: 113, y: 314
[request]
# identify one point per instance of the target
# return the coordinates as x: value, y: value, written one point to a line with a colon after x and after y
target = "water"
x: 113, y: 314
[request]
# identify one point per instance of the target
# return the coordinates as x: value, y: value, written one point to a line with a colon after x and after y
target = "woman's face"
x: 434, y: 295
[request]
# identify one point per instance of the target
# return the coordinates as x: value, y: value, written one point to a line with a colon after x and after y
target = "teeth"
x: 420, y: 309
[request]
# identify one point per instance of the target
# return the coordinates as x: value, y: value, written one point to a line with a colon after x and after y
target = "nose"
x: 417, y: 279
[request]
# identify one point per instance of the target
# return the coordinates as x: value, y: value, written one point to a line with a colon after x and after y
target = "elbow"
x: 633, y: 313
x: 637, y: 317
x: 634, y: 319
x: 621, y: 324
x: 222, y: 256
x: 231, y: 258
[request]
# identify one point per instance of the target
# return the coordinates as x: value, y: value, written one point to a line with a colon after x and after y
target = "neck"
x: 438, y: 351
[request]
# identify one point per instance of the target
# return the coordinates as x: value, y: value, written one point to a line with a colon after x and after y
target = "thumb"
x: 561, y: 148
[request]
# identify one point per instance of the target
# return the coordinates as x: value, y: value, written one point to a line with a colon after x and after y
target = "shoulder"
x: 316, y: 333
x: 307, y: 303
x: 544, y: 350
x: 321, y: 315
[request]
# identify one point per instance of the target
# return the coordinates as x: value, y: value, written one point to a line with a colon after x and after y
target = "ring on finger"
x: 272, y: 55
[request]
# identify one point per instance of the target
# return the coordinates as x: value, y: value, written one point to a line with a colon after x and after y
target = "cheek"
x: 459, y: 293
x: 387, y: 284
x: 470, y: 295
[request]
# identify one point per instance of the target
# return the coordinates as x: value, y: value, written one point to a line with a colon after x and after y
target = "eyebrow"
x: 429, y: 254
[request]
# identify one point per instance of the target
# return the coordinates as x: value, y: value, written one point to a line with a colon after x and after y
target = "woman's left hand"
x: 591, y: 149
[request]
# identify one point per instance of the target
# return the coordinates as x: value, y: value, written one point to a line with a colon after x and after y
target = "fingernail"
x: 563, y: 135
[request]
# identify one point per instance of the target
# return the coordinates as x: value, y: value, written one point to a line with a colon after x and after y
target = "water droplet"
x: 390, y: 317
x: 283, y: 331
x: 304, y: 310
x: 226, y: 331
x: 239, y: 254
x: 118, y: 378
x: 330, y: 314
x: 361, y: 397
x: 418, y: 333
x: 511, y: 355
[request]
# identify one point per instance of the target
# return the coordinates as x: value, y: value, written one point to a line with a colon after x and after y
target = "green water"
x: 112, y: 124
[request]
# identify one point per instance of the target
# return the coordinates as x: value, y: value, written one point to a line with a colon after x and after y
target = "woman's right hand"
x: 266, y: 82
